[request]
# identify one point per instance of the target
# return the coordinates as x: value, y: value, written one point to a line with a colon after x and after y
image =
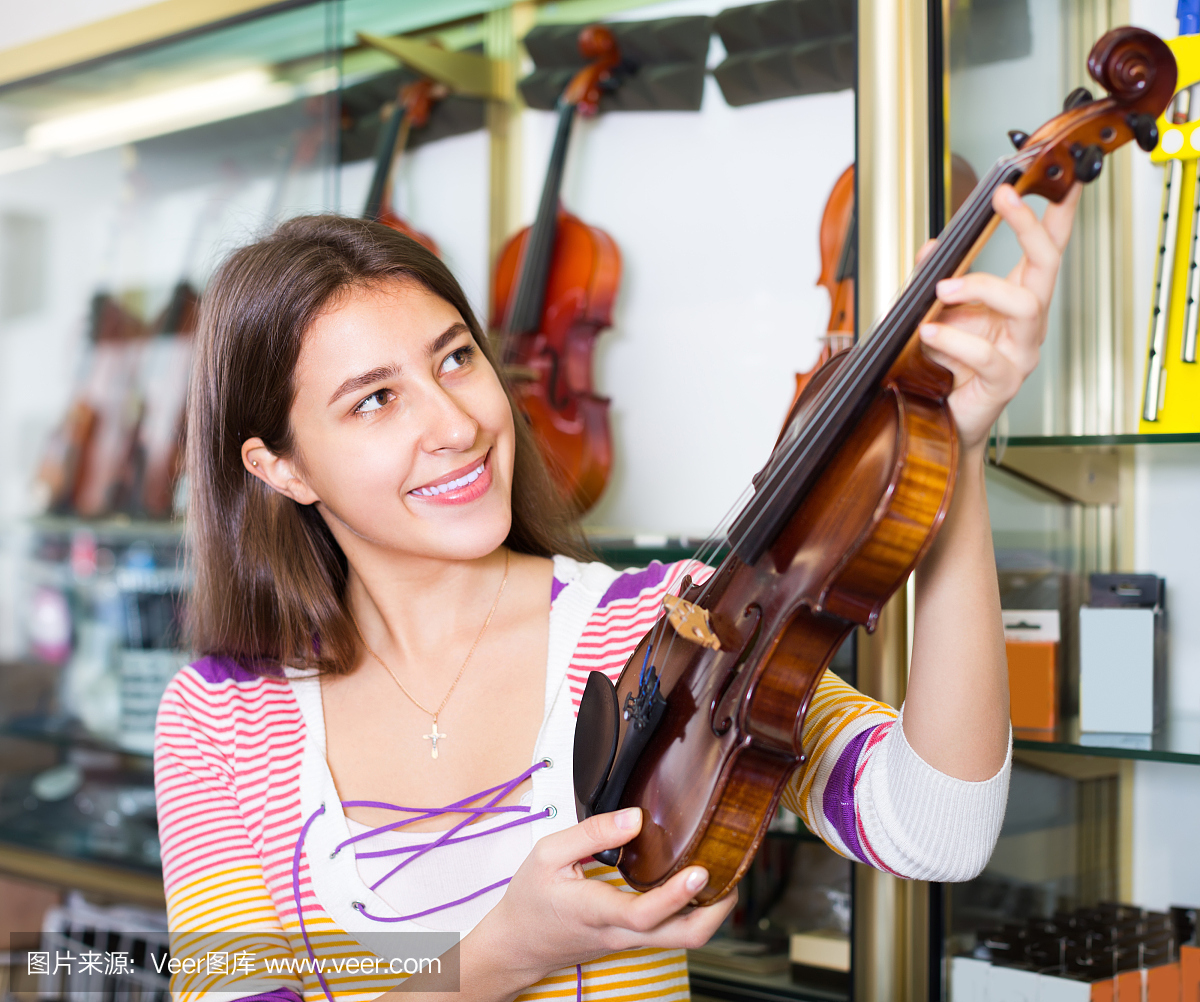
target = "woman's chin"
x: 469, y: 539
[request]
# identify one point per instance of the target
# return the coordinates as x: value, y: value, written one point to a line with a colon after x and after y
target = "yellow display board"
x: 1178, y: 386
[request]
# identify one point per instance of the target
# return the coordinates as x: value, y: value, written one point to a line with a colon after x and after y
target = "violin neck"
x: 525, y: 317
x: 385, y: 153
x: 800, y: 457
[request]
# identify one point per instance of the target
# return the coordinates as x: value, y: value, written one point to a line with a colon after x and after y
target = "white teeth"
x: 453, y: 485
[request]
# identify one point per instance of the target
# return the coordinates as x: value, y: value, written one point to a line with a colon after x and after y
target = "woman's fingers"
x: 693, y: 928
x: 1004, y: 297
x: 640, y: 913
x: 593, y: 835
x: 965, y: 354
x: 1042, y: 251
x: 1060, y: 216
x: 927, y: 248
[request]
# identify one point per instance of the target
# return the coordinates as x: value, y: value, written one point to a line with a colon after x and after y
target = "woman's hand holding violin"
x: 991, y: 329
x: 552, y: 916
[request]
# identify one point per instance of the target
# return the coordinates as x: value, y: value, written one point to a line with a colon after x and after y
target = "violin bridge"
x: 691, y: 622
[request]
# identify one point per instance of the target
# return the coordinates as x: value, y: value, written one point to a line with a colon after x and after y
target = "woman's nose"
x: 447, y: 425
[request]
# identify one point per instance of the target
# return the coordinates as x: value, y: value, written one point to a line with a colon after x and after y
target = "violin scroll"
x: 1131, y: 63
x: 1139, y: 72
x: 598, y: 45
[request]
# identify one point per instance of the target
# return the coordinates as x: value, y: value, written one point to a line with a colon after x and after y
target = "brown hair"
x: 269, y: 577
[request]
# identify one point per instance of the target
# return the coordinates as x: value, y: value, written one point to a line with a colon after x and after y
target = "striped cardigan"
x: 248, y: 812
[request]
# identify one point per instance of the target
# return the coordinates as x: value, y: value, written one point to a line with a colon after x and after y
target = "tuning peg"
x: 1079, y: 96
x: 1145, y: 130
x: 1018, y: 137
x: 1088, y: 161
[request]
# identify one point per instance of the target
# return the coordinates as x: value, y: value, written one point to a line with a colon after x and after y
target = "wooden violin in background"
x: 553, y: 293
x: 839, y: 265
x: 413, y: 105
x: 702, y: 729
x: 838, y: 269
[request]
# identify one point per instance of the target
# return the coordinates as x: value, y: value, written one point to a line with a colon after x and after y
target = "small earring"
x: 254, y: 462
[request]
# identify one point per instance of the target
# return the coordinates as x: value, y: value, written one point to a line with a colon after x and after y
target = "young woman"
x: 397, y: 618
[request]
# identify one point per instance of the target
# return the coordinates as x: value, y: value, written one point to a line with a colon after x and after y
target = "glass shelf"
x: 639, y: 550
x: 715, y: 983
x: 115, y: 529
x: 106, y: 821
x: 1178, y: 741
x: 1094, y: 441
x: 67, y: 733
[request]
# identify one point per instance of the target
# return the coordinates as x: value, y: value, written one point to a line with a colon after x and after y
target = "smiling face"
x: 403, y: 435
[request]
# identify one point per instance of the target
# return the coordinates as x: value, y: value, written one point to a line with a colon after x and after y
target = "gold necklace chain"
x: 434, y: 736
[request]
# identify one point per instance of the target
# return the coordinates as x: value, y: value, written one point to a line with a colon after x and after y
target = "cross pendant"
x: 433, y: 737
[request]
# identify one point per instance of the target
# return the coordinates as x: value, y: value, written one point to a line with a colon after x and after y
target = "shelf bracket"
x: 464, y: 73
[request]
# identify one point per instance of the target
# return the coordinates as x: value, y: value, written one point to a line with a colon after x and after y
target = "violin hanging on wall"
x: 413, y: 105
x: 838, y: 242
x: 553, y: 292
x: 702, y: 729
x: 839, y: 265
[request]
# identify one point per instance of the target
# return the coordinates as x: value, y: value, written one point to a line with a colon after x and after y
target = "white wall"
x: 27, y: 22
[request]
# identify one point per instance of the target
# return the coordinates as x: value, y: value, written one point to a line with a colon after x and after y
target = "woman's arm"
x: 217, y: 898
x: 956, y: 715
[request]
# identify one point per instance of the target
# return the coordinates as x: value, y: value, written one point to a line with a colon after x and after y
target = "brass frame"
x: 891, y: 915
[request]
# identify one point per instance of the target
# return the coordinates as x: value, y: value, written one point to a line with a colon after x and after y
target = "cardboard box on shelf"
x: 1031, y: 642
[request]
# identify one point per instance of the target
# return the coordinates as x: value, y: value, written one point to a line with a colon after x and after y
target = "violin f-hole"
x: 722, y: 709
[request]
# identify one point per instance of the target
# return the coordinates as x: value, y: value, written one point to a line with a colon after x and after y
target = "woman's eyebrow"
x: 375, y: 375
x: 451, y: 333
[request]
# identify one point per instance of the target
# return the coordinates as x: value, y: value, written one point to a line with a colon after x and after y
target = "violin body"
x: 401, y: 225
x: 551, y: 369
x: 733, y: 721
x: 702, y: 729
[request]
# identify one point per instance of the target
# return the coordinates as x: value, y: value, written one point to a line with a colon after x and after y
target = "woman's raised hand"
x: 991, y: 330
x: 552, y: 916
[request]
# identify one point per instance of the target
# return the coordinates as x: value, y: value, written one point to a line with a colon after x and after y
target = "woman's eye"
x: 374, y: 402
x: 457, y: 359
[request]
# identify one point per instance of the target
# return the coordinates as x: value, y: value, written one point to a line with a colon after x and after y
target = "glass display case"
x: 1079, y: 486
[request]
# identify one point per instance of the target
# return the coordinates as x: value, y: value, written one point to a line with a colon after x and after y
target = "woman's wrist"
x: 489, y: 959
x: 973, y: 456
x: 488, y: 970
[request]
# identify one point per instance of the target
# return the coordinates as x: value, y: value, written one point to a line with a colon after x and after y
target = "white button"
x: 1172, y: 142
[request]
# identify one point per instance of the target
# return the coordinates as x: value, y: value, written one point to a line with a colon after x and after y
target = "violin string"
x: 707, y: 549
x: 963, y: 229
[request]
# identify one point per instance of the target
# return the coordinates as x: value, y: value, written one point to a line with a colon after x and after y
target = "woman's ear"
x: 275, y: 471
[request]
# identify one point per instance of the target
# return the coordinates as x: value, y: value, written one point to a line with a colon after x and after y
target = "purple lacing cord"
x: 296, y: 896
x: 499, y: 792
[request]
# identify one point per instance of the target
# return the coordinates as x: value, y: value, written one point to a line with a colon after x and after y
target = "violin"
x: 838, y: 268
x: 839, y: 265
x: 554, y: 286
x: 413, y: 105
x: 702, y: 729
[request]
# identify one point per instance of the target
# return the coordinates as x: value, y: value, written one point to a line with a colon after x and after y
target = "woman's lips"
x: 465, y: 487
